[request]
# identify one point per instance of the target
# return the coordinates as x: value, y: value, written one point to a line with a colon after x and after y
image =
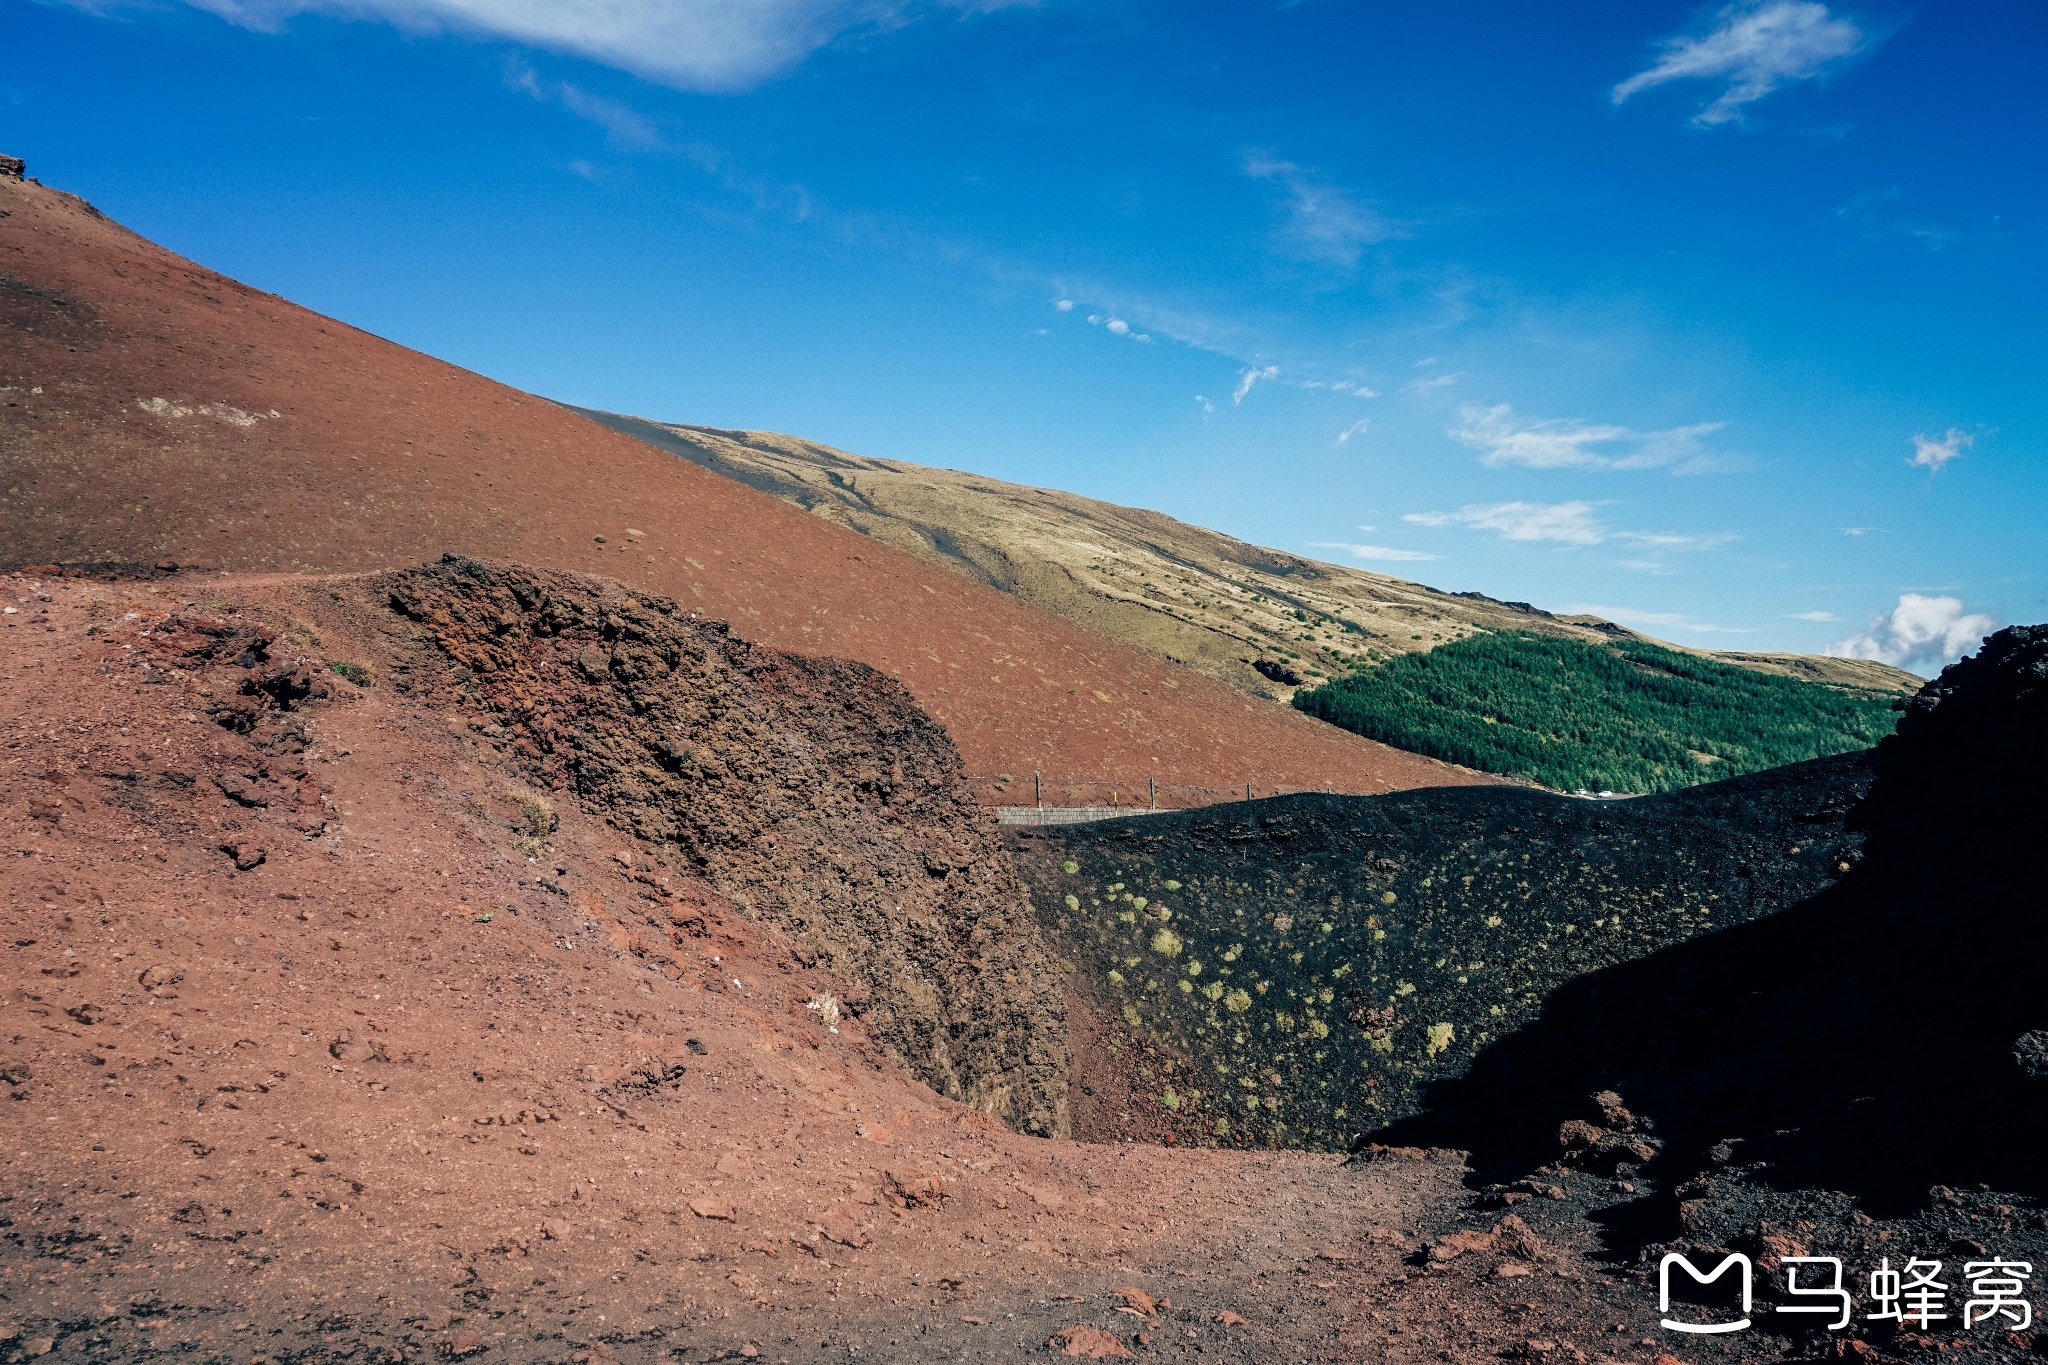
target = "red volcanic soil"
x: 331, y: 1030
x: 158, y: 411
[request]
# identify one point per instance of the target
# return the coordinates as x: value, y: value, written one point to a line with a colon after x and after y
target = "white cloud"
x: 1251, y: 377
x: 1932, y: 454
x: 1383, y: 553
x: 1565, y: 523
x: 1065, y: 305
x: 1324, y: 223
x: 1442, y: 381
x: 693, y: 44
x: 1854, y: 531
x: 1358, y: 428
x: 1501, y: 439
x: 1208, y: 408
x: 1568, y: 523
x: 1114, y: 325
x: 1756, y: 47
x: 1812, y: 616
x: 1665, y: 540
x: 1920, y: 633
x: 1352, y: 387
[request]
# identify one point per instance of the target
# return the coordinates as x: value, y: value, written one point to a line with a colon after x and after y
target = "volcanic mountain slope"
x: 1296, y: 971
x: 158, y: 411
x: 1188, y: 593
x: 415, y: 1011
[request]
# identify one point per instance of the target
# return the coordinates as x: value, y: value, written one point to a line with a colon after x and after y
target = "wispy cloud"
x: 1118, y: 327
x: 1754, y: 48
x: 1882, y: 214
x: 1503, y: 439
x: 1857, y: 531
x: 1665, y: 540
x: 1385, y: 554
x: 1065, y: 305
x: 1208, y: 408
x: 1358, y: 428
x: 1811, y: 616
x: 1564, y: 523
x: 711, y: 45
x: 1350, y: 386
x: 1933, y: 454
x: 1664, y: 620
x: 1325, y: 224
x: 1251, y: 377
x: 1920, y: 633
x: 622, y: 124
x: 1442, y: 381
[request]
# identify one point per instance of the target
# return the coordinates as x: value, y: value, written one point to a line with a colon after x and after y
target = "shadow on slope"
x: 1880, y: 1038
x: 1288, y: 972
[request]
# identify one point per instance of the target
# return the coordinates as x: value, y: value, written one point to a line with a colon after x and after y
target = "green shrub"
x: 359, y: 674
x: 1624, y: 717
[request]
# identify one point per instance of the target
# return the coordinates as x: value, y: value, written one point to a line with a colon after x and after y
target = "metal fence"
x: 1113, y: 796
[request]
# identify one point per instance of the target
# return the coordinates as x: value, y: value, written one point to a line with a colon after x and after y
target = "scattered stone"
x: 1135, y: 1300
x: 459, y: 1344
x: 1456, y: 1244
x: 2030, y: 1051
x: 159, y: 977
x: 246, y: 853
x: 840, y: 1224
x: 1090, y: 1342
x: 707, y: 1207
x: 919, y: 1191
x: 1230, y: 1319
x: 1577, y: 1134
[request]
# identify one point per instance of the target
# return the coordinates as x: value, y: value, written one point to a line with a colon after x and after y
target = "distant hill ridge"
x: 1263, y: 620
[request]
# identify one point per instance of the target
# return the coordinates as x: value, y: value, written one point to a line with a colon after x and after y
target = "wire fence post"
x: 1247, y: 791
x: 1038, y: 790
x: 1152, y: 792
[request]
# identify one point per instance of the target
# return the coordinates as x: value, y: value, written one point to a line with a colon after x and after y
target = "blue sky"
x: 1723, y: 321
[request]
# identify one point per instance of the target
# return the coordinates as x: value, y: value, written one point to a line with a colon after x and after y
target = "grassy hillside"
x: 1262, y: 620
x: 1625, y: 716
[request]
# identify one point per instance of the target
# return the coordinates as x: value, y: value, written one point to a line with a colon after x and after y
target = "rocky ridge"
x: 809, y: 791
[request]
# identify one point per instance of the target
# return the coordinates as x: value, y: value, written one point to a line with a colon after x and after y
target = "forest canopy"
x: 1626, y: 716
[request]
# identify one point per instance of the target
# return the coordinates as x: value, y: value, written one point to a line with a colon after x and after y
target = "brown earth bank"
x: 401, y: 1012
x: 157, y: 411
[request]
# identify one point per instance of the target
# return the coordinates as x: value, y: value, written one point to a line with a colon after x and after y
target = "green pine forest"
x: 1624, y: 717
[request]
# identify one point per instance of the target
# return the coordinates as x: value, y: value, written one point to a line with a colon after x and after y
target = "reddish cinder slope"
x: 156, y: 410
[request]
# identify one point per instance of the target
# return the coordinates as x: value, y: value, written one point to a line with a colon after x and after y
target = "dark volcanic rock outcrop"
x: 1296, y: 971
x: 810, y: 791
x: 1875, y: 1045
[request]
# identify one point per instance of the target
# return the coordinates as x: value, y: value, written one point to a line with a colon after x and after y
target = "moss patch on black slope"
x: 1293, y: 972
x: 1625, y: 717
